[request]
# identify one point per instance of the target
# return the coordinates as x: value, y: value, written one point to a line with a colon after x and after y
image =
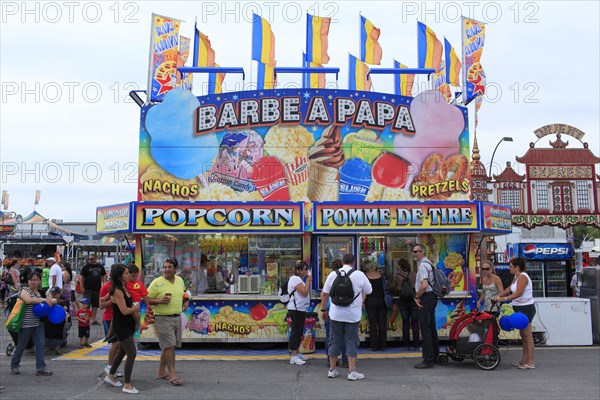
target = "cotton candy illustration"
x: 174, y: 146
x: 438, y: 126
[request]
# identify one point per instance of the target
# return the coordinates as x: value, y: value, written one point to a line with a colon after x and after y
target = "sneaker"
x: 333, y: 373
x: 130, y: 391
x: 297, y: 360
x: 355, y: 376
x: 517, y: 364
x: 81, y: 346
x: 87, y: 345
x: 117, y: 374
x: 14, y: 371
x: 43, y: 372
x: 111, y: 382
x: 301, y: 356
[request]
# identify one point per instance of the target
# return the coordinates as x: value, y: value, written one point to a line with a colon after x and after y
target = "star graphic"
x: 330, y: 97
x: 314, y: 128
x: 218, y: 98
x: 479, y: 87
x: 165, y: 84
x: 393, y: 100
x: 235, y: 97
x: 306, y: 95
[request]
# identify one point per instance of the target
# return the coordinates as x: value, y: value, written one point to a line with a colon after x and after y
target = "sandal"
x: 176, y: 381
x: 517, y: 364
x: 526, y: 366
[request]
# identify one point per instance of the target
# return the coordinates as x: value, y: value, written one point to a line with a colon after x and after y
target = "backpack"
x: 283, y: 294
x: 8, y: 279
x: 440, y: 282
x: 342, y: 292
x: 406, y: 292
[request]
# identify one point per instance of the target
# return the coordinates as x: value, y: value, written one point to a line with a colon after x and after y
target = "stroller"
x: 10, y: 303
x: 475, y: 335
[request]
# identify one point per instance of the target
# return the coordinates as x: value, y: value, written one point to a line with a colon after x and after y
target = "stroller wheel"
x: 9, y: 349
x: 486, y: 356
x: 442, y: 359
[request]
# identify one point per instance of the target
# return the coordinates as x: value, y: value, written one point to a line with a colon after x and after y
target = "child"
x: 84, y: 317
x: 137, y: 290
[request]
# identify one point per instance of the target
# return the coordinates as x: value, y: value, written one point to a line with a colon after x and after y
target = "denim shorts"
x: 343, y: 332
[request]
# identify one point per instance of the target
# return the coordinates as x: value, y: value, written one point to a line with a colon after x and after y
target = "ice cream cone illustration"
x: 325, y: 158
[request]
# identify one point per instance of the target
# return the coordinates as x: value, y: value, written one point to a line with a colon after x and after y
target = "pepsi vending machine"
x: 548, y: 266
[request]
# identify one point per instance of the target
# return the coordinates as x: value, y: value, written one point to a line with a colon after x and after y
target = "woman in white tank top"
x: 520, y: 292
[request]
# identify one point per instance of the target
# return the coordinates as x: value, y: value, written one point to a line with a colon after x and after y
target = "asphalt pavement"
x: 561, y: 373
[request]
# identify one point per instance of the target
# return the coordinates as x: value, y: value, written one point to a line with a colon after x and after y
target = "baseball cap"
x: 51, y: 259
x: 85, y: 300
x: 55, y: 289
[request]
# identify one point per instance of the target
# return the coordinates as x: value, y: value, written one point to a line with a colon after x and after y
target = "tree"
x: 585, y: 233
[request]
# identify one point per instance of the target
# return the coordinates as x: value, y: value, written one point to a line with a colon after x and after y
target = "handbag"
x: 15, y: 318
x: 387, y: 297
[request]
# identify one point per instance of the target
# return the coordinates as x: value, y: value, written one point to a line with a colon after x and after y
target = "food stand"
x: 238, y: 186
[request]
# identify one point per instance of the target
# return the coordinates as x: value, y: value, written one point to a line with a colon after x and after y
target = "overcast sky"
x: 66, y: 69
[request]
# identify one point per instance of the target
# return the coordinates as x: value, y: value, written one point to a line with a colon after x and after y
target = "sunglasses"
x: 485, y: 269
x: 416, y: 251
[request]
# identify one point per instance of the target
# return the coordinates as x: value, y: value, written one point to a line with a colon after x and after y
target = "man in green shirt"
x: 46, y: 275
x: 165, y: 295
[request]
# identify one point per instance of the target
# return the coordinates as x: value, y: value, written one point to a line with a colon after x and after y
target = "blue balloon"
x: 519, y: 320
x: 41, y: 310
x: 57, y: 314
x: 505, y: 324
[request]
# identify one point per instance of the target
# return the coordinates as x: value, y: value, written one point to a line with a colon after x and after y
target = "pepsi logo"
x: 531, y: 250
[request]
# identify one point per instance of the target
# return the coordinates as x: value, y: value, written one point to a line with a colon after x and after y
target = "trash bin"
x: 307, y: 342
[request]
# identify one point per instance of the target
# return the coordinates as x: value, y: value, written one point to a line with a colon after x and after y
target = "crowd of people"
x: 346, y: 292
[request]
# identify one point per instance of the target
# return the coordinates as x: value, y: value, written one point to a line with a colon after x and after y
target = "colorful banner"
x: 256, y: 319
x: 496, y: 218
x: 265, y: 76
x: 113, y: 219
x: 263, y: 41
x: 459, y: 216
x: 304, y: 145
x: 313, y: 81
x: 430, y: 48
x: 403, y: 83
x: 370, y: 49
x: 164, y: 51
x: 317, y: 39
x: 453, y: 64
x: 184, y: 79
x: 215, y: 81
x: 358, y: 75
x: 204, y: 55
x: 224, y: 217
x: 473, y: 40
x: 439, y: 82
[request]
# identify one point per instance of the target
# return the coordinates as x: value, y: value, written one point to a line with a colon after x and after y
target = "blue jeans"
x: 343, y: 333
x: 327, y: 342
x: 37, y: 334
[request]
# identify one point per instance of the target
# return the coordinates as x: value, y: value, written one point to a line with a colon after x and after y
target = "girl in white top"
x: 299, y: 301
x: 521, y: 295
